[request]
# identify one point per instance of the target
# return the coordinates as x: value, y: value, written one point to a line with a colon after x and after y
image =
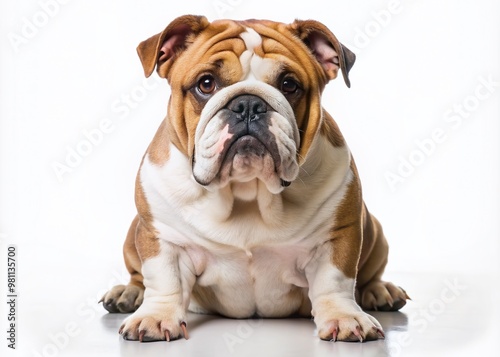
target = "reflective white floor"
x: 450, y: 315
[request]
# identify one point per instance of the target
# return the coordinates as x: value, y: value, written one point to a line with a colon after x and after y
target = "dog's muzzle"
x: 247, y: 138
x: 249, y: 122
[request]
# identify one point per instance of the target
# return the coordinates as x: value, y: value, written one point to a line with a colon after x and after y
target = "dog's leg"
x: 169, y: 277
x: 331, y: 275
x: 128, y: 298
x: 372, y: 292
x: 331, y: 291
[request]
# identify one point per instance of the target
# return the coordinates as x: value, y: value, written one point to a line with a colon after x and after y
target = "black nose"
x: 247, y: 107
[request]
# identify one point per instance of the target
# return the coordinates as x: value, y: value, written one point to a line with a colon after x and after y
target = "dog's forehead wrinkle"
x: 251, y: 38
x: 253, y: 65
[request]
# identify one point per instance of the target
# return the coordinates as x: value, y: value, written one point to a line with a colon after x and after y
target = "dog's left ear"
x: 162, y: 49
x: 329, y: 52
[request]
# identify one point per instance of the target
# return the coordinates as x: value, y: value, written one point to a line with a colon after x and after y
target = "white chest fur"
x: 243, y: 239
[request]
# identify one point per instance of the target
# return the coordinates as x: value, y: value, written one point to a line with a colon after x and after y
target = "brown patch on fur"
x: 368, y: 236
x: 146, y: 240
x: 141, y: 201
x: 375, y: 251
x: 159, y: 150
x: 331, y: 131
x: 141, y: 242
x: 132, y: 260
x: 360, y: 248
x: 347, y: 232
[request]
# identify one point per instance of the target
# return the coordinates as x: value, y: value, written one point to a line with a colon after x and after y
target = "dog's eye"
x: 289, y: 86
x: 206, y: 84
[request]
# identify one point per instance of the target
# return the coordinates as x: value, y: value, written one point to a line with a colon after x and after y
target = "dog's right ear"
x: 161, y: 50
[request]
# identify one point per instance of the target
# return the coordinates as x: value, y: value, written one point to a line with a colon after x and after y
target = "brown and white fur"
x: 248, y: 199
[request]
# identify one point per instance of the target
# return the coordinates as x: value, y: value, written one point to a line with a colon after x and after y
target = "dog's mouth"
x: 246, y: 151
x: 242, y: 157
x: 247, y: 146
x: 247, y: 157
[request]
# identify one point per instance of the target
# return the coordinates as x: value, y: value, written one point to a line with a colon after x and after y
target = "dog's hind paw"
x: 383, y: 296
x: 123, y: 298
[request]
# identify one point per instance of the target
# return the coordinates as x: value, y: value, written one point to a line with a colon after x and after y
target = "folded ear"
x: 162, y: 49
x: 329, y: 52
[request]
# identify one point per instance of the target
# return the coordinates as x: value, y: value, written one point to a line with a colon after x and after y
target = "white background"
x: 70, y: 68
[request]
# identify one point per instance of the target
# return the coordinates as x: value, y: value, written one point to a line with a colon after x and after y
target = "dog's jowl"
x: 248, y: 198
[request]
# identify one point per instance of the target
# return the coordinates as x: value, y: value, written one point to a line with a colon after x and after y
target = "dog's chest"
x: 248, y: 250
x: 185, y: 213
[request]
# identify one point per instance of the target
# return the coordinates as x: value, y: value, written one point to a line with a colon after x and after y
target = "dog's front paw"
x: 346, y: 324
x: 155, y: 322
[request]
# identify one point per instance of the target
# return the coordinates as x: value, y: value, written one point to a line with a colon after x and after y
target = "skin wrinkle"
x: 200, y: 52
x: 303, y: 69
x: 250, y: 62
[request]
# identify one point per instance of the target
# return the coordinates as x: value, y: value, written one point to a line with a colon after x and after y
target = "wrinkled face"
x: 255, y: 97
x: 246, y: 131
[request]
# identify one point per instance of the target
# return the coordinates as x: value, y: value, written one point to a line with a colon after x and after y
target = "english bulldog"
x: 249, y: 202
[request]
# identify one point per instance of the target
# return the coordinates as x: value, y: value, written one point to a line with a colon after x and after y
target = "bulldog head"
x: 245, y: 100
